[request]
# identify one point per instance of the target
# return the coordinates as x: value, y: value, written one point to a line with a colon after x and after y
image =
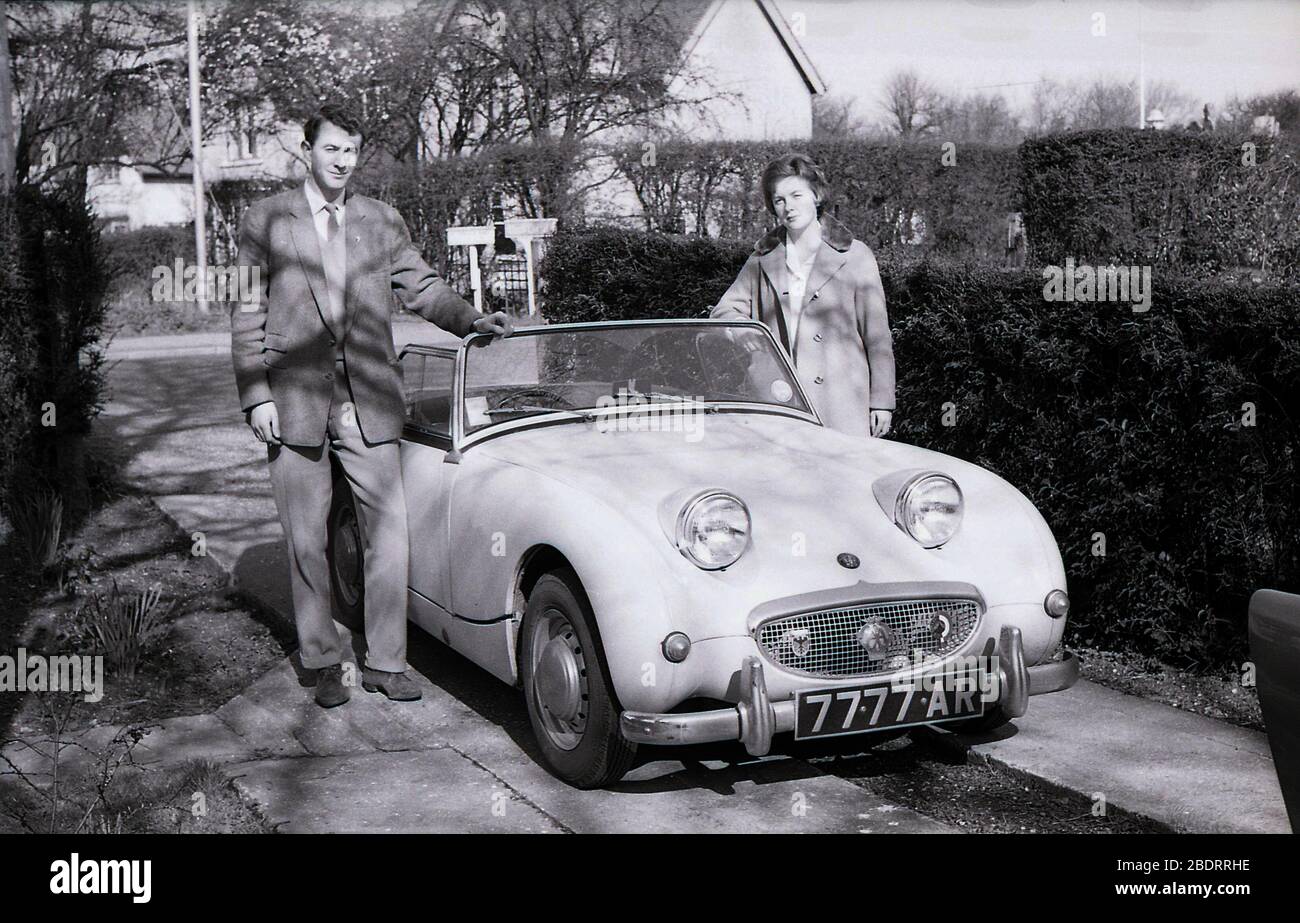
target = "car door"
x: 427, y: 377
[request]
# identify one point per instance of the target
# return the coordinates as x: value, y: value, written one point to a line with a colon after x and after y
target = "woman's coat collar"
x: 833, y: 233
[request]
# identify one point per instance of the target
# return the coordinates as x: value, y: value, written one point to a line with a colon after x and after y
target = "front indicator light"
x: 676, y: 647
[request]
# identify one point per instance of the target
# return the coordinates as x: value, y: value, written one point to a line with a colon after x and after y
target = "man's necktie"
x: 334, y: 253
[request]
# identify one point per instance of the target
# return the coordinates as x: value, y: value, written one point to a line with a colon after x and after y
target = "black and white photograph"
x: 863, y: 417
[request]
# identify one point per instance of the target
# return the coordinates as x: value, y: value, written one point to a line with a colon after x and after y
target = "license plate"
x: 876, y: 706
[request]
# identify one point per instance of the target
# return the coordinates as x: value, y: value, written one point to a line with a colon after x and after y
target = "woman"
x: 819, y: 290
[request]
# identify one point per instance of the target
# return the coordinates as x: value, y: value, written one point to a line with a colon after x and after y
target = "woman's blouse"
x: 792, y: 302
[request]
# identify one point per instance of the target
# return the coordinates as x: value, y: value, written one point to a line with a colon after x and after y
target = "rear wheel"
x: 345, y: 554
x: 571, y: 701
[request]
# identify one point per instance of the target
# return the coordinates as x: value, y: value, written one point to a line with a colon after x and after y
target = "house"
x: 763, y: 79
x: 127, y: 197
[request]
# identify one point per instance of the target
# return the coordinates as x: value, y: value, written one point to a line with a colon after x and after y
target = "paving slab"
x: 193, y: 737
x: 267, y: 733
x: 1193, y: 773
x: 771, y: 795
x: 428, y: 791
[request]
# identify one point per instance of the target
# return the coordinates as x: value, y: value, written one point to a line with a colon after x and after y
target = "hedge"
x: 1120, y: 427
x: 1203, y: 201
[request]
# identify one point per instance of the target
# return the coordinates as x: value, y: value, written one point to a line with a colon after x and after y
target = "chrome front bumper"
x: 757, y: 718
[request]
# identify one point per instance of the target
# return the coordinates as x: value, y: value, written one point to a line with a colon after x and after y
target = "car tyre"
x: 345, y: 555
x: 571, y: 701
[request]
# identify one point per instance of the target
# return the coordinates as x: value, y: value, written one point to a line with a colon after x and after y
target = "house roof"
x: 692, y: 18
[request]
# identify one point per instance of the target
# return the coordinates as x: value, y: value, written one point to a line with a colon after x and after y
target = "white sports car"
x: 646, y: 526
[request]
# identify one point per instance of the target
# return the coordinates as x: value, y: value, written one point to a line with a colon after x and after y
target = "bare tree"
x: 80, y: 72
x: 982, y: 117
x: 1051, y: 108
x: 914, y: 105
x: 836, y: 117
x: 575, y: 68
x: 1104, y: 102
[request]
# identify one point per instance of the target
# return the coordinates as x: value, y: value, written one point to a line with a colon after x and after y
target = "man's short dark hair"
x: 335, y: 114
x: 800, y: 165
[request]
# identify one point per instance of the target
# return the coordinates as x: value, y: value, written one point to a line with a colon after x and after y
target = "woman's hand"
x: 880, y: 420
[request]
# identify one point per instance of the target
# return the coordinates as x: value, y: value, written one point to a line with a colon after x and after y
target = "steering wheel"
x: 555, y: 397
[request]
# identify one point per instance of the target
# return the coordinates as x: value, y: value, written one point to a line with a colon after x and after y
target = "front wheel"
x: 571, y: 701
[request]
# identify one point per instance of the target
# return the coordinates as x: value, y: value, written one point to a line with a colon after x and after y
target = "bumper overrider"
x: 757, y: 718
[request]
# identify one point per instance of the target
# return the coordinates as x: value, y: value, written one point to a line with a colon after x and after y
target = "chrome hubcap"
x: 347, y: 556
x: 559, y: 680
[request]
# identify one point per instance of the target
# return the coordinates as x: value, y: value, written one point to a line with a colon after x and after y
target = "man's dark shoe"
x: 397, y: 686
x: 330, y: 690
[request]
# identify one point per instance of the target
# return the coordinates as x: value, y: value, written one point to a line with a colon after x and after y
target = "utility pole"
x: 1142, y: 76
x: 8, y: 165
x: 196, y: 159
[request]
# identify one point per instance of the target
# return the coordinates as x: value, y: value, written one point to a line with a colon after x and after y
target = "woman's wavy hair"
x: 800, y: 165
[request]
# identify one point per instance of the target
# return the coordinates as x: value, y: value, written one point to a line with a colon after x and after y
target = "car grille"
x: 825, y: 643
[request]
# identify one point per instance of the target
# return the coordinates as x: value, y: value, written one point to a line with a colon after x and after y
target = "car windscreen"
x: 545, y: 371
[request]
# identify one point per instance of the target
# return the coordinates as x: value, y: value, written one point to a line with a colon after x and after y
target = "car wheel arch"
x: 543, y: 558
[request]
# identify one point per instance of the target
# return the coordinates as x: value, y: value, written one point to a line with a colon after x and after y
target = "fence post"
x: 523, y: 231
x: 473, y: 236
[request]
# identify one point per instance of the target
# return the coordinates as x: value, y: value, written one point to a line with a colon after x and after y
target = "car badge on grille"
x: 847, y: 560
x: 940, y: 625
x: 875, y: 637
x: 799, y: 641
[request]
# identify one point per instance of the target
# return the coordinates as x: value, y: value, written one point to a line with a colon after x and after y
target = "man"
x: 317, y: 374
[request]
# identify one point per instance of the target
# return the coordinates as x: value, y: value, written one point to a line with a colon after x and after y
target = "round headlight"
x: 1057, y: 604
x: 929, y: 509
x: 713, y: 530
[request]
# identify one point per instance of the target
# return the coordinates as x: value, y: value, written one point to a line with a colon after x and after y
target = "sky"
x: 1211, y: 49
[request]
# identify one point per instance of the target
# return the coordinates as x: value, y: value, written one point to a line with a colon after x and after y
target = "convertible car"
x: 646, y: 527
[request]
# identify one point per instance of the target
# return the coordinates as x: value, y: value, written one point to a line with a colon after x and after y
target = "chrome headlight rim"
x: 909, y: 488
x: 690, y: 507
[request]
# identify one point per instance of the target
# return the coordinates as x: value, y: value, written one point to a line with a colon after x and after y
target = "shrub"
x: 123, y: 627
x: 614, y: 274
x: 17, y: 349
x: 37, y: 519
x: 131, y: 258
x: 1132, y: 426
x: 54, y: 281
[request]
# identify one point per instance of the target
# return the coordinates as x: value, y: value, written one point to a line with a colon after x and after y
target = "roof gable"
x: 692, y: 18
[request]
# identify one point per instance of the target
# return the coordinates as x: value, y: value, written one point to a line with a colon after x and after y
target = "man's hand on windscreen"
x: 497, y: 323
